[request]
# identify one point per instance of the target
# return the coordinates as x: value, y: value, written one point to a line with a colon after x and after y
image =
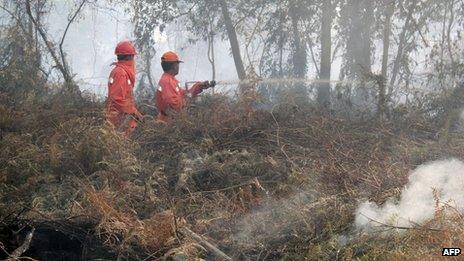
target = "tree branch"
x: 15, y: 18
x: 213, y: 249
x: 23, y: 248
x: 48, y: 44
x: 381, y: 224
x: 66, y: 31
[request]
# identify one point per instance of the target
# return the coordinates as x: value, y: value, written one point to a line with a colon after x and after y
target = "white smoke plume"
x: 417, y: 202
x: 276, y: 219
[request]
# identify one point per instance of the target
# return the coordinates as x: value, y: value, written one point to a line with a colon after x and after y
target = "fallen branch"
x: 418, y: 227
x: 23, y: 248
x: 253, y: 181
x: 216, y: 251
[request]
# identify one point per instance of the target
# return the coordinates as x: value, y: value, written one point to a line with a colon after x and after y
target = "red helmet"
x: 170, y: 57
x: 125, y: 48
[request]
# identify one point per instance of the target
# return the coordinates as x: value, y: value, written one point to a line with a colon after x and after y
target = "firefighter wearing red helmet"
x: 121, y: 111
x: 169, y: 95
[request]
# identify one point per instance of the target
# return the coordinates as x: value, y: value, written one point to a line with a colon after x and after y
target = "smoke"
x: 417, y: 202
x: 276, y: 219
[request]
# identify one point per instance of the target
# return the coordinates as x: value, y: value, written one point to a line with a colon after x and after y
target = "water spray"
x: 280, y: 81
x: 277, y: 81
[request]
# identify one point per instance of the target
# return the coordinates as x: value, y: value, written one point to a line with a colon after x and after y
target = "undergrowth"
x: 277, y: 184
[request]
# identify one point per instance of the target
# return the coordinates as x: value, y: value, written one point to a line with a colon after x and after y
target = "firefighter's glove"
x: 208, y: 84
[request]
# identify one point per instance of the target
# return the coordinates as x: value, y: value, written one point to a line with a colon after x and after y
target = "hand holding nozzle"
x: 208, y: 84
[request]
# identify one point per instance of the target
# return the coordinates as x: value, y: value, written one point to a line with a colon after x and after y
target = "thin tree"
x: 234, y: 45
x: 389, y: 9
x: 402, y: 42
x: 58, y: 58
x: 323, y: 92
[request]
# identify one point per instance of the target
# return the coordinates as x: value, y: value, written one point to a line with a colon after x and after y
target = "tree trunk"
x: 448, y: 38
x: 63, y: 37
x: 402, y: 42
x: 38, y: 16
x: 359, y: 43
x: 69, y: 84
x: 233, y: 41
x: 359, y: 49
x: 368, y: 22
x: 281, y: 41
x: 389, y: 9
x: 299, y: 52
x: 298, y: 57
x: 323, y: 92
x: 148, y: 57
x: 211, y: 56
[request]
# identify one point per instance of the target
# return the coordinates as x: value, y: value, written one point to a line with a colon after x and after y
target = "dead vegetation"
x: 278, y: 184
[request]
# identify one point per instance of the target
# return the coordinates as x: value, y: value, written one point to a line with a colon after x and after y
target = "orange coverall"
x: 120, y: 102
x: 170, y: 95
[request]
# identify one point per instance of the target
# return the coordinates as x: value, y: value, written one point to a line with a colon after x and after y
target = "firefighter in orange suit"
x: 169, y: 95
x: 121, y: 111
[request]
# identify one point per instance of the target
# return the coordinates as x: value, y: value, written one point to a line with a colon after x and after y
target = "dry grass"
x: 121, y: 229
x: 278, y: 184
